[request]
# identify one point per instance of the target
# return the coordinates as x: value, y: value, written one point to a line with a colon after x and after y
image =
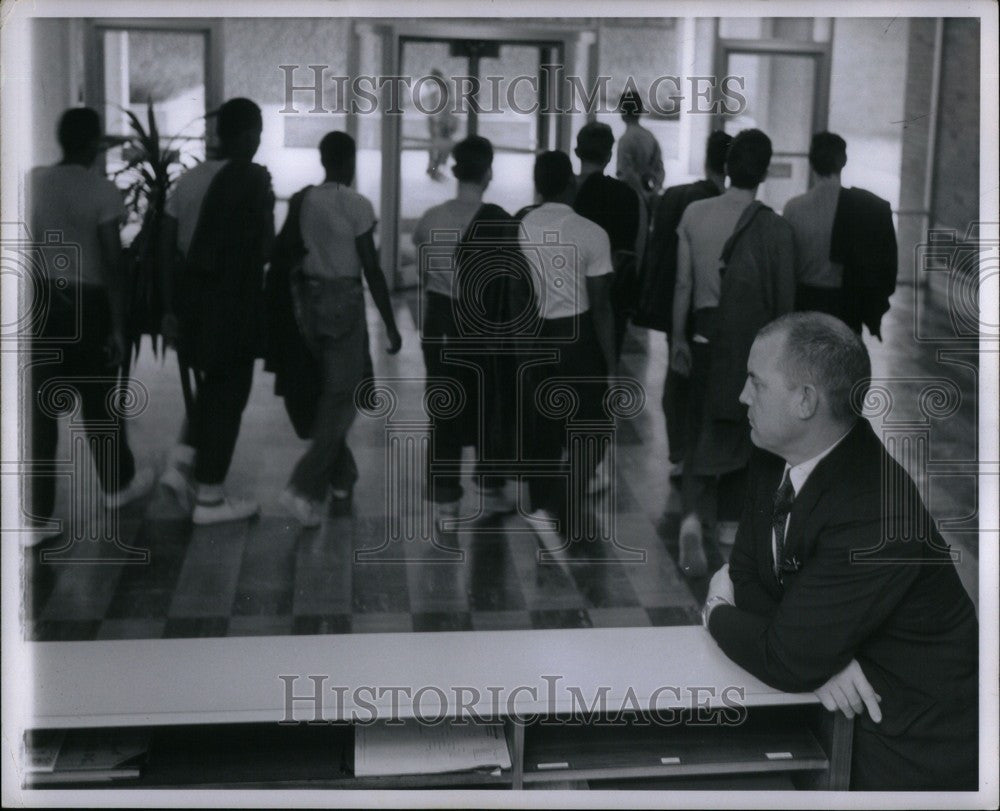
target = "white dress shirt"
x: 798, y: 475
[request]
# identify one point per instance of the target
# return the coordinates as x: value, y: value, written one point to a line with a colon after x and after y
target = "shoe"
x: 691, y: 555
x: 445, y: 514
x: 496, y: 501
x: 544, y: 524
x: 142, y: 482
x: 224, y: 510
x: 305, y: 511
x: 177, y: 480
x: 726, y: 533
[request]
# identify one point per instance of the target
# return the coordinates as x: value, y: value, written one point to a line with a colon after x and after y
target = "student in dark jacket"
x: 845, y: 243
x: 838, y: 585
x: 614, y: 206
x: 656, y: 298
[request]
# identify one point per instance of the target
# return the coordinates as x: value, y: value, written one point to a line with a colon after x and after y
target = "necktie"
x: 783, y: 499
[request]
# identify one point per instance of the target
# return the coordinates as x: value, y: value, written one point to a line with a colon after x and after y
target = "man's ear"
x: 808, y: 402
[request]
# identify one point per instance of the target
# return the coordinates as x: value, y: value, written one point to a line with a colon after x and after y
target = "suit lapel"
x: 825, y: 474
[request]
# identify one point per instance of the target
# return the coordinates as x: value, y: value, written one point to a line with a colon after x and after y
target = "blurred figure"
x: 640, y: 163
x: 441, y: 125
x: 735, y: 273
x: 337, y: 228
x: 573, y: 277
x: 437, y: 237
x: 217, y: 234
x: 84, y: 321
x: 845, y: 243
x: 657, y: 292
x: 614, y: 206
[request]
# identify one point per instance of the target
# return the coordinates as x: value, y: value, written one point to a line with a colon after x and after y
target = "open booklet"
x: 415, y: 748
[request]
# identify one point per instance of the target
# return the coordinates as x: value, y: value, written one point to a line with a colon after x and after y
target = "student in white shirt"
x: 85, y: 317
x: 571, y: 260
x: 337, y: 228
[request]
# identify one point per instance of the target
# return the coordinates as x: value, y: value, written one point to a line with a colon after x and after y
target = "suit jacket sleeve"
x: 829, y: 609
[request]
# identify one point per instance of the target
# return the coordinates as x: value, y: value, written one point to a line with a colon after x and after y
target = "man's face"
x: 774, y: 422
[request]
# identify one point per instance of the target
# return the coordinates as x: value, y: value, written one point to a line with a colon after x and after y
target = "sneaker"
x: 496, y: 501
x: 306, y: 511
x: 224, y: 510
x: 445, y: 514
x: 544, y: 524
x: 726, y: 533
x: 691, y: 554
x: 142, y: 482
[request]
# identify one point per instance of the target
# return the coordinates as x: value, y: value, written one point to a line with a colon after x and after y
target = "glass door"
x: 785, y: 97
x: 464, y: 87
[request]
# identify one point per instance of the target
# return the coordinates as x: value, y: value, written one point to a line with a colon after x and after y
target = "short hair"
x: 594, y: 142
x: 237, y: 116
x: 473, y: 158
x: 827, y: 153
x: 630, y: 104
x: 822, y: 350
x: 78, y: 128
x: 748, y: 158
x: 716, y: 150
x: 553, y: 173
x: 337, y: 149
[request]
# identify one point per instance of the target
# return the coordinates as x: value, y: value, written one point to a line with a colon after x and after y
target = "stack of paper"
x: 415, y: 748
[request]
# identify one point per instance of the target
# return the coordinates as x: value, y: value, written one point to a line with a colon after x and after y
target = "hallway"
x: 269, y: 577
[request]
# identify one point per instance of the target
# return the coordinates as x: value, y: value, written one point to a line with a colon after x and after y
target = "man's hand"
x: 680, y: 358
x: 721, y: 585
x: 395, y: 341
x: 850, y: 692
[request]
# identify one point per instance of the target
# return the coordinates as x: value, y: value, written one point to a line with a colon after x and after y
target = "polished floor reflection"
x: 270, y: 577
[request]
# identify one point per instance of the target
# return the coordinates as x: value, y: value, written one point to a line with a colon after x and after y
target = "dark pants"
x: 78, y: 332
x: 220, y: 396
x: 675, y: 413
x: 581, y: 363
x: 463, y: 427
x: 711, y: 498
x: 338, y: 334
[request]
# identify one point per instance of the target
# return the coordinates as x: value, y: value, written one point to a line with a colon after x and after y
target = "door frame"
x: 94, y: 64
x: 820, y: 51
x: 392, y: 35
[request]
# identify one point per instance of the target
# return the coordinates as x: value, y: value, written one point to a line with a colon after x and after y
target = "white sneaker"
x: 306, y: 512
x: 544, y: 524
x: 496, y: 501
x: 726, y: 532
x: 691, y: 554
x: 142, y: 482
x: 223, y: 510
x: 445, y: 514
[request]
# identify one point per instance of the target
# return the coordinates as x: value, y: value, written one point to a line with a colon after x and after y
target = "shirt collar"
x: 802, y: 470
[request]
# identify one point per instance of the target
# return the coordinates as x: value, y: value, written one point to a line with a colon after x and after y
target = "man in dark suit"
x: 839, y: 582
